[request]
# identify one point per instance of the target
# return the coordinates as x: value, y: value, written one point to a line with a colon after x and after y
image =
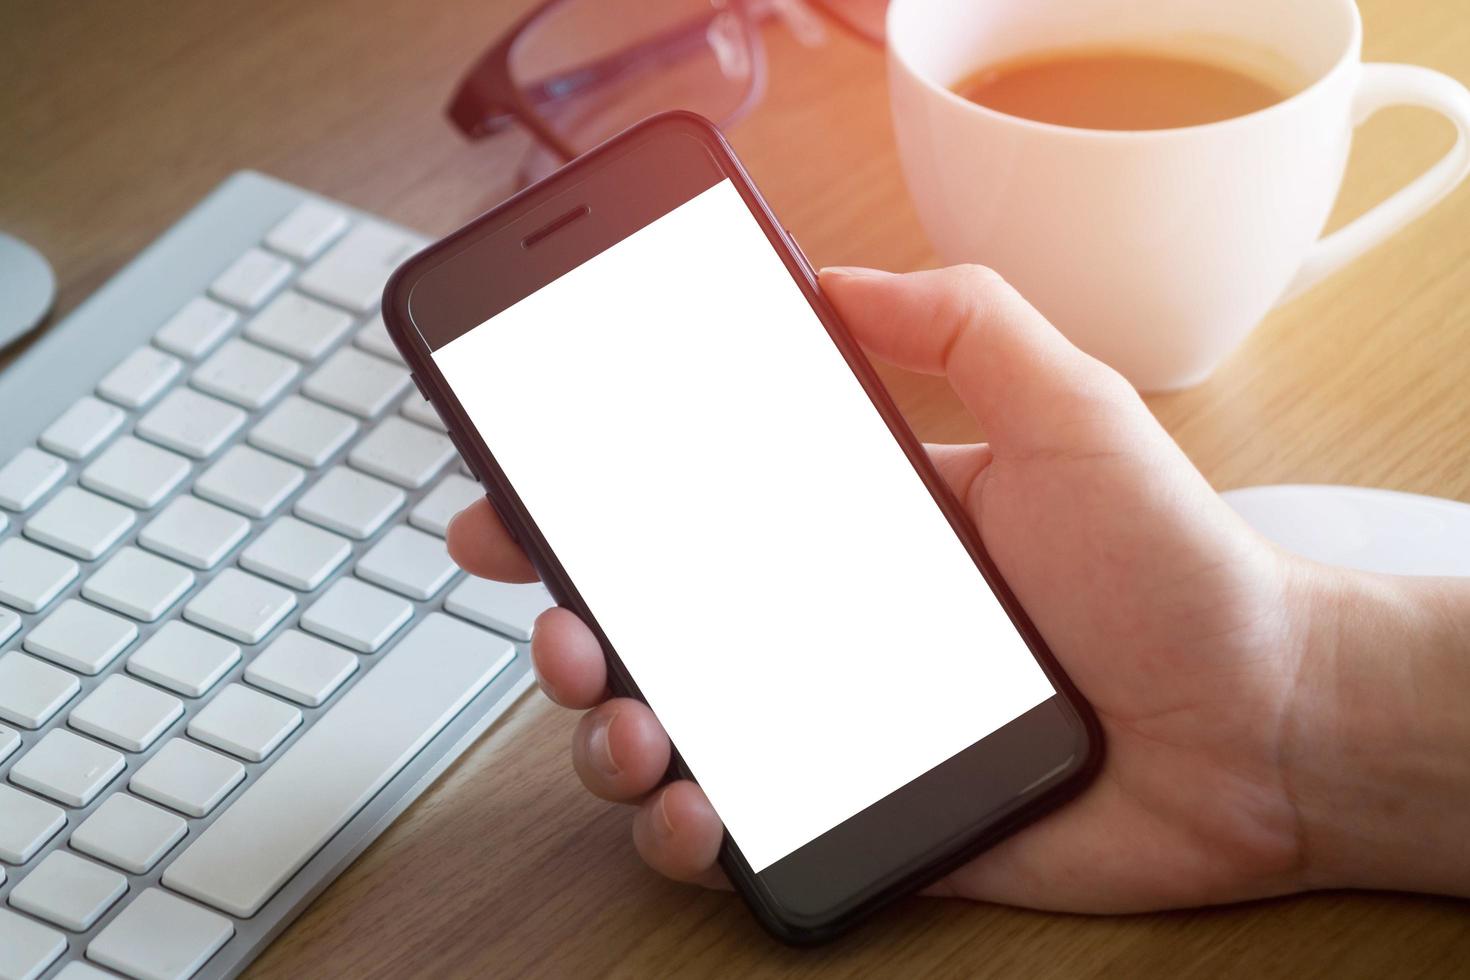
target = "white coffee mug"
x: 1156, y: 251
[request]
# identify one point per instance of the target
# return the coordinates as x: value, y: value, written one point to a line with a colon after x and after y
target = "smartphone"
x: 637, y: 363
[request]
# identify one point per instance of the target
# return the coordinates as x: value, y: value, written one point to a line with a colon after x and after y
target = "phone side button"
x: 459, y: 446
x: 465, y: 456
x: 510, y: 529
x: 419, y: 385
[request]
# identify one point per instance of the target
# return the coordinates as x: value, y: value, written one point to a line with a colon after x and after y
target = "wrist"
x: 1377, y: 752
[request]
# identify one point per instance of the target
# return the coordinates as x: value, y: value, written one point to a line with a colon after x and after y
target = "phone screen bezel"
x: 926, y: 827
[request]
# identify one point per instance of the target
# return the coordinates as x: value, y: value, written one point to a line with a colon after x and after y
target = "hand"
x: 1188, y: 633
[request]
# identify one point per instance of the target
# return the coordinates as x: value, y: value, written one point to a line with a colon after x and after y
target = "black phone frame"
x: 966, y: 804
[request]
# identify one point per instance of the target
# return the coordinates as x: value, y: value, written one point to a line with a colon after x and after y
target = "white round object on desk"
x: 1359, y: 527
x: 27, y: 288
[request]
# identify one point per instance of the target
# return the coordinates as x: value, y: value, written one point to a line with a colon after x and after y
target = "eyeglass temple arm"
x: 546, y: 93
x: 645, y: 55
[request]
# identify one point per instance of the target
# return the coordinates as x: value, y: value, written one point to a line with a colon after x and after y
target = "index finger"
x: 479, y: 543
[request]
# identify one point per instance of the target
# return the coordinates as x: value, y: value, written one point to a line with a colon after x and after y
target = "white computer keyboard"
x: 232, y: 644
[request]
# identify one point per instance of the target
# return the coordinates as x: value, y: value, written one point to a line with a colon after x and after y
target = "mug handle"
x: 1381, y: 86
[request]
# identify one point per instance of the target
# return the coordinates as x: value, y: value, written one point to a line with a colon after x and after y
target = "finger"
x: 678, y: 833
x: 568, y: 660
x: 1015, y: 373
x: 620, y: 750
x: 480, y: 544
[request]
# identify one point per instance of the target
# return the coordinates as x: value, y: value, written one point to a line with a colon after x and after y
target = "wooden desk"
x: 115, y: 118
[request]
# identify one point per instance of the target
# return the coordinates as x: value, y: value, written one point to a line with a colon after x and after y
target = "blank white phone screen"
x: 735, y: 513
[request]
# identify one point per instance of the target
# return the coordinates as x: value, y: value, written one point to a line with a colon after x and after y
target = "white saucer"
x: 1358, y: 527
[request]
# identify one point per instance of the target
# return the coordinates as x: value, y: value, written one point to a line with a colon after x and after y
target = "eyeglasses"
x: 574, y: 72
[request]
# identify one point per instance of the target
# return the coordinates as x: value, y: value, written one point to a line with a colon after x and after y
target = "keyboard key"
x: 196, y: 329
x: 349, y: 502
x: 194, y: 532
x: 184, y: 659
x: 308, y: 229
x: 303, y: 431
x: 240, y: 606
x: 125, y: 713
x: 79, y: 523
x: 353, y: 272
x: 295, y: 553
x: 402, y: 453
x: 374, y: 339
x: 187, y: 778
x: 140, y: 378
x: 194, y: 424
x: 81, y: 637
x: 160, y: 937
x: 296, y: 325
x: 418, y: 408
x: 356, y: 382
x: 68, y: 768
x: 82, y: 428
x: 346, y: 757
x: 243, y: 373
x: 452, y: 494
x: 301, y: 667
x: 501, y: 606
x: 9, y: 623
x: 356, y: 615
x: 25, y: 824
x: 409, y: 562
x: 135, y: 472
x: 249, y: 481
x: 32, y: 691
x: 31, y: 576
x: 27, y: 477
x: 138, y: 584
x: 244, y: 723
x: 128, y: 833
x: 27, y: 947
x: 68, y: 891
x: 250, y: 279
x: 9, y: 742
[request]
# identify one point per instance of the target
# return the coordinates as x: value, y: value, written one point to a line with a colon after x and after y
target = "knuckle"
x: 974, y: 293
x: 1106, y: 384
x: 983, y: 287
x: 1100, y: 393
x: 979, y: 276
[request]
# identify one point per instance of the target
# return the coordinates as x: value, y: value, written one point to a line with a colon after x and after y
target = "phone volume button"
x: 510, y: 528
x: 419, y: 385
x: 458, y: 446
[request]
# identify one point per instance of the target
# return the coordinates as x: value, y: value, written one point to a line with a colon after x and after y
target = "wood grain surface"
x: 117, y: 117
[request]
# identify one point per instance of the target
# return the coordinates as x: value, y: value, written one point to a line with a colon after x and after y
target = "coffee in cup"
x: 1122, y: 88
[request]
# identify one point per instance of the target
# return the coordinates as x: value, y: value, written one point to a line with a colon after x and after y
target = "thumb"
x: 1016, y: 374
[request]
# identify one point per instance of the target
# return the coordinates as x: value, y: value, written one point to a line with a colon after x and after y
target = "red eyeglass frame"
x: 488, y: 101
